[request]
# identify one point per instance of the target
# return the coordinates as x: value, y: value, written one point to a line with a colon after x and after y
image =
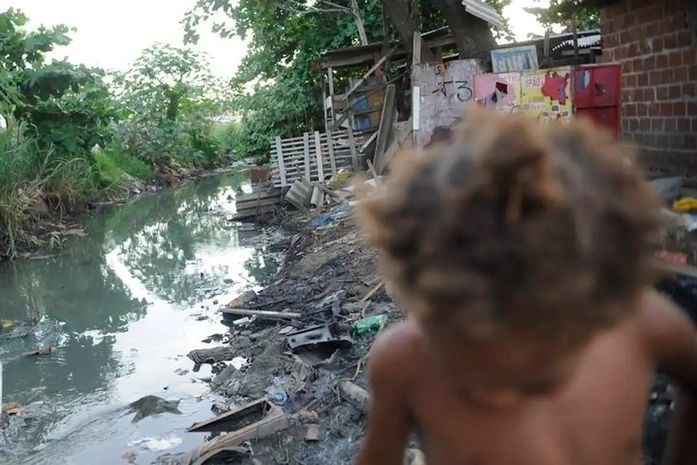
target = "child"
x: 522, y: 254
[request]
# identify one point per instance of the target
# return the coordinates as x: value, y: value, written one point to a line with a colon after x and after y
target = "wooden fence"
x: 316, y: 156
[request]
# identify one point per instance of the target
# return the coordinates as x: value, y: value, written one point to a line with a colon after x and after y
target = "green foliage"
x: 60, y: 113
x: 561, y: 14
x: 170, y: 106
x: 114, y: 166
x: 277, y: 90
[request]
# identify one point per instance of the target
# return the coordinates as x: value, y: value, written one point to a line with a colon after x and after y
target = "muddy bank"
x: 55, y: 220
x: 330, y: 278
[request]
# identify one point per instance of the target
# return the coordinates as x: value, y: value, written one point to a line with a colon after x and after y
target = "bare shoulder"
x: 670, y: 336
x: 397, y: 354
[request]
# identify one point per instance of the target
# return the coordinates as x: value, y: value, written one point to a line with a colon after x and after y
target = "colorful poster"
x: 507, y: 60
x: 546, y: 94
x: 499, y: 91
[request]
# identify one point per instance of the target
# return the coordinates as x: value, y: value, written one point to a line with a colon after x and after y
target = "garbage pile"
x: 290, y: 379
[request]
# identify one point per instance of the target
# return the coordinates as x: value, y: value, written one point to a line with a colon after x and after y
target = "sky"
x: 111, y: 34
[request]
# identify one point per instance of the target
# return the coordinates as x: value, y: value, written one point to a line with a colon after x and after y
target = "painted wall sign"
x: 445, y: 89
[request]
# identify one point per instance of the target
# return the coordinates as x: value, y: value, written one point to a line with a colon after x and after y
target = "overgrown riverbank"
x: 71, y: 135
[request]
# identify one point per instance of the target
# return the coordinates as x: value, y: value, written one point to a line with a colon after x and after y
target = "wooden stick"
x: 373, y: 291
x: 260, y: 313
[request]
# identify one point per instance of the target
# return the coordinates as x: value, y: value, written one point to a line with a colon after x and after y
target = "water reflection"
x: 120, y: 306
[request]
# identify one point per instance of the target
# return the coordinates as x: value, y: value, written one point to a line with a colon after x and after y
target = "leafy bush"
x: 114, y: 165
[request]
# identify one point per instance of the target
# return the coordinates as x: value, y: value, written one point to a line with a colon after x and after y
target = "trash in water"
x: 39, y: 351
x: 239, y: 362
x: 6, y: 324
x: 11, y: 408
x: 152, y: 405
x: 157, y: 444
x: 369, y: 324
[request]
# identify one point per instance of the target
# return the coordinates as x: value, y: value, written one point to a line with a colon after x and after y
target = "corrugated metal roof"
x: 483, y: 12
x: 583, y: 42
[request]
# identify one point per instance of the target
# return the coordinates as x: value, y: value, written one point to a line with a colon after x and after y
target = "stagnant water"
x: 121, y: 309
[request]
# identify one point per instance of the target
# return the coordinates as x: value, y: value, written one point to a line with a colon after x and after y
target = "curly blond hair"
x: 516, y: 226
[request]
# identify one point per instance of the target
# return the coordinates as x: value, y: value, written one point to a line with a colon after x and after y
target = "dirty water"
x: 121, y: 308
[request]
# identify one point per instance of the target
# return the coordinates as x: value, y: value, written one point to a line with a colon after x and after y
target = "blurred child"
x: 523, y: 256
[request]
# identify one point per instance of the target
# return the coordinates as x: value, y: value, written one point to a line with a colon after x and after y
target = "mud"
x: 327, y: 273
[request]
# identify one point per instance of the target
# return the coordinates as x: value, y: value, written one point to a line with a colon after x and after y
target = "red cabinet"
x: 596, y: 95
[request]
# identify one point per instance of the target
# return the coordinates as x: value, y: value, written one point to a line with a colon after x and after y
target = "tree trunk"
x: 359, y: 22
x: 473, y: 36
x: 406, y: 26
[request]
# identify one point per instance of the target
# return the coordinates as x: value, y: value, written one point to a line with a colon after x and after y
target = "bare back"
x: 594, y: 418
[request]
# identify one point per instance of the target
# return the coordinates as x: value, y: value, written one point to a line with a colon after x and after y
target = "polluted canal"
x: 121, y: 308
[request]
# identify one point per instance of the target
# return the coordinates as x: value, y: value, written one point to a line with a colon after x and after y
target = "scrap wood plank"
x: 369, y: 72
x: 386, y: 121
x: 306, y: 155
x: 373, y: 291
x: 382, y: 162
x: 260, y: 313
x: 281, y: 162
x: 352, y: 147
x: 330, y: 146
x: 320, y: 159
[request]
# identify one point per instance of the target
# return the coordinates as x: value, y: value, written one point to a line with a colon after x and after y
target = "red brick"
x: 649, y: 94
x: 684, y: 38
x: 630, y: 20
x: 679, y: 109
x: 654, y: 110
x: 652, y: 28
x: 655, y: 78
x: 649, y: 63
x: 689, y: 90
x: 627, y: 95
x: 657, y: 124
x: 609, y: 41
x: 670, y: 41
x: 693, y: 73
x: 694, y: 125
x: 642, y: 109
x: 689, y: 141
x: 628, y: 67
x: 645, y: 124
x: 674, y: 92
x: 680, y: 74
x: 662, y: 93
x: 629, y: 80
x: 620, y: 53
x: 657, y: 44
x: 691, y: 108
x: 609, y: 55
x: 665, y: 109
x: 684, y: 124
x: 661, y: 61
x: 623, y: 37
x: 667, y: 76
x: 689, y: 57
x: 643, y: 79
x: 671, y: 124
x: 629, y: 110
x: 675, y: 58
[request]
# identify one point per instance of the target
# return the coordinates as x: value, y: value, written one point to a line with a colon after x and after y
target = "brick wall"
x: 656, y: 44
